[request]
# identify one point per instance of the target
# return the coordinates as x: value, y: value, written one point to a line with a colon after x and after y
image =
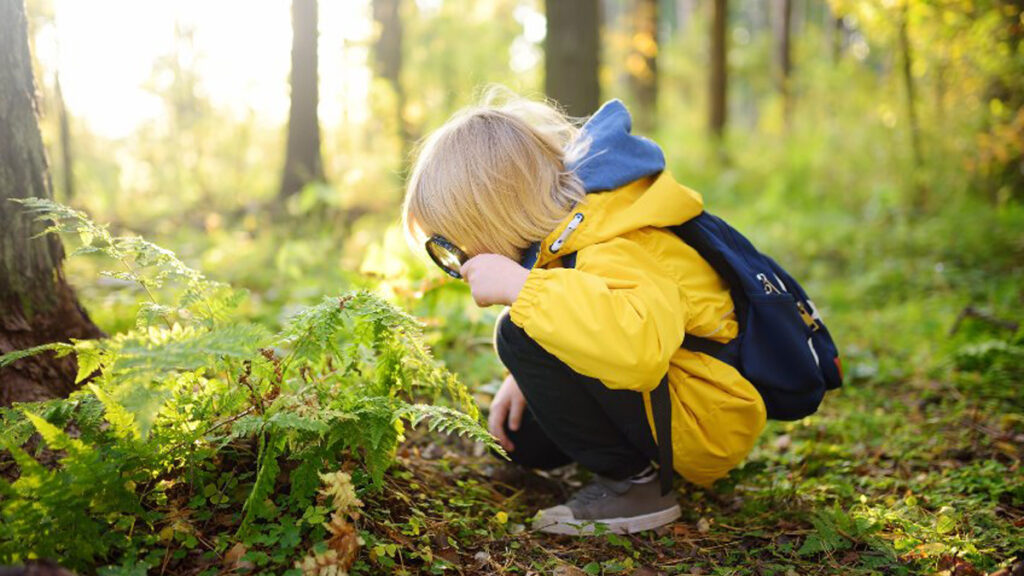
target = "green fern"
x: 195, y: 398
x: 62, y: 349
x: 449, y: 421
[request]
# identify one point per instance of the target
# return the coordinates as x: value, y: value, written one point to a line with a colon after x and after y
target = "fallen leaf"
x: 234, y: 554
x: 567, y: 570
x: 849, y: 558
x: 449, y: 554
x: 344, y: 541
x: 683, y: 531
x: 1007, y: 449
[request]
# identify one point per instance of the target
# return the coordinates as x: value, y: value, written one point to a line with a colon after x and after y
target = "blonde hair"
x: 493, y: 178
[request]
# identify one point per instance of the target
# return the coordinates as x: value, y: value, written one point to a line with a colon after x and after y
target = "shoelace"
x: 591, y: 492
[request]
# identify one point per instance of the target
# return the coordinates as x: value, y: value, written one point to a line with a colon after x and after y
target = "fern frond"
x: 122, y: 422
x: 450, y: 421
x: 54, y: 437
x: 161, y: 350
x: 15, y: 429
x: 266, y: 477
x: 62, y: 349
x: 65, y: 220
x: 311, y: 332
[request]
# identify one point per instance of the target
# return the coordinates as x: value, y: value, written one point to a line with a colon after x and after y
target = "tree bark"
x: 643, y: 62
x: 718, y: 80
x: 303, y: 163
x: 572, y: 55
x: 783, y: 55
x: 37, y: 305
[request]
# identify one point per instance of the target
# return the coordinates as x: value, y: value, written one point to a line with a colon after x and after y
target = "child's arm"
x: 611, y: 318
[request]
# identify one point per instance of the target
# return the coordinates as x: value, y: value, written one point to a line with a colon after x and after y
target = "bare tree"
x: 37, y: 305
x: 908, y: 82
x: 643, y: 62
x: 572, y: 55
x: 718, y: 80
x: 388, y: 58
x: 303, y: 162
x: 783, y: 56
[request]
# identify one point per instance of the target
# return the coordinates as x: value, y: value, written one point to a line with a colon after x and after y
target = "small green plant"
x: 196, y: 431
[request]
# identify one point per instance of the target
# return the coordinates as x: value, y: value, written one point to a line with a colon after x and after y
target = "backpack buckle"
x: 807, y: 317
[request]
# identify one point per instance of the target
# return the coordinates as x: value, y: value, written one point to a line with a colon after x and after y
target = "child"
x: 511, y: 189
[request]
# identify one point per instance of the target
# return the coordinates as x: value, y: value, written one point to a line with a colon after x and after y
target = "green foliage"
x: 913, y: 467
x: 195, y: 410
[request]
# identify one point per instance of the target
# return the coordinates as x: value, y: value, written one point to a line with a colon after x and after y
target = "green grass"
x: 913, y: 467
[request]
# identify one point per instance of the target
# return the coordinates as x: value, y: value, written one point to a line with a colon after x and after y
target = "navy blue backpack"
x: 783, y: 348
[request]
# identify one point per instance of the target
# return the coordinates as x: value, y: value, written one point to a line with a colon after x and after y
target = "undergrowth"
x: 198, y: 438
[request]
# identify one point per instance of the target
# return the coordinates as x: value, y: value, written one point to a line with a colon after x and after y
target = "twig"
x: 238, y: 416
x: 988, y: 318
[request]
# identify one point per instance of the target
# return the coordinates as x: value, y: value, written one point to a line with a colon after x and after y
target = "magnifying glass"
x: 446, y: 255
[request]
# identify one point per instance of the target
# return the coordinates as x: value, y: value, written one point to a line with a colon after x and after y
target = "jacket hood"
x: 627, y: 188
x: 614, y: 157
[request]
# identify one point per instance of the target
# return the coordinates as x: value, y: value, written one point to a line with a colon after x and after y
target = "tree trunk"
x: 643, y: 62
x: 67, y: 162
x: 37, y: 305
x: 388, y: 58
x: 908, y: 82
x: 838, y: 38
x: 718, y: 83
x: 303, y: 163
x: 783, y: 55
x: 572, y: 55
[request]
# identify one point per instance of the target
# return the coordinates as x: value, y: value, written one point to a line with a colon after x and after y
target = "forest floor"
x: 914, y: 480
x: 913, y: 467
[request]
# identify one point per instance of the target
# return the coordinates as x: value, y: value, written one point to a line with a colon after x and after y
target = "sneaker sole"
x: 627, y: 525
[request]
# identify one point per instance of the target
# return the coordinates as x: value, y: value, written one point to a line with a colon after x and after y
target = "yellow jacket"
x: 622, y: 313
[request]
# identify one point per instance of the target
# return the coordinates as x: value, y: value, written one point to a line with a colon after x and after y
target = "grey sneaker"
x: 621, y: 505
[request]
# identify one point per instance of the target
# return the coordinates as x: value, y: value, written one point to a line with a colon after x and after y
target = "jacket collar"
x: 612, y: 158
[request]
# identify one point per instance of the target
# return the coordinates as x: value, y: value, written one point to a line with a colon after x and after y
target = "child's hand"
x: 494, y: 279
x: 508, y: 405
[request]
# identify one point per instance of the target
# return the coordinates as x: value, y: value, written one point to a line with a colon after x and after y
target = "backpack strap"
x: 661, y: 410
x: 703, y: 345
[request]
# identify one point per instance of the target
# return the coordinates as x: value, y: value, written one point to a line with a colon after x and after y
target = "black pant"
x: 571, y: 417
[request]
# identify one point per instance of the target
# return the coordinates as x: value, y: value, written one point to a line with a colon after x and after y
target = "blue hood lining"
x: 613, y: 157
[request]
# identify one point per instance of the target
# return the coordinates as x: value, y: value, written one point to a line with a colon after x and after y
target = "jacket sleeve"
x: 614, y: 317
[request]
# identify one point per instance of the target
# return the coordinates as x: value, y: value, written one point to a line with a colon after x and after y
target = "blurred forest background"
x: 875, y: 148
